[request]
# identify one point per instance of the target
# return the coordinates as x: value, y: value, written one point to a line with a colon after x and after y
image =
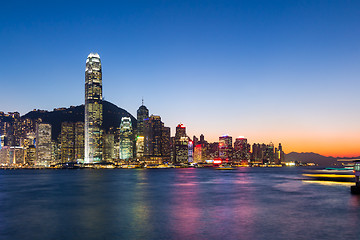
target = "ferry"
x: 356, y: 189
x: 224, y: 167
x: 344, y: 174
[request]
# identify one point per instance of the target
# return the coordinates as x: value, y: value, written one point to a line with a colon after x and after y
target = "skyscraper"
x: 67, y: 142
x: 126, y: 139
x: 153, y: 134
x: 43, y: 144
x: 165, y: 144
x: 225, y: 146
x: 241, y: 149
x: 181, y: 152
x: 79, y: 141
x: 108, y: 147
x: 142, y: 115
x: 93, y: 109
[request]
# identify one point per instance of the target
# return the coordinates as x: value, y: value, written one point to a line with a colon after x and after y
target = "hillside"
x: 112, y: 115
x: 309, y: 157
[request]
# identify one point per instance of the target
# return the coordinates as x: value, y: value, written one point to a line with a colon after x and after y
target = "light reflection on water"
x: 247, y: 203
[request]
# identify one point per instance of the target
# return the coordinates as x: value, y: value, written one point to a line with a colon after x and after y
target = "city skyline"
x: 218, y: 68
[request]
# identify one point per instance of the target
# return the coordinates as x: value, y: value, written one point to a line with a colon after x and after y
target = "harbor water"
x: 246, y: 203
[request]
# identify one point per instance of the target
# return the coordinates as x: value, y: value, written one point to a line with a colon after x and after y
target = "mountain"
x: 112, y: 115
x: 309, y: 157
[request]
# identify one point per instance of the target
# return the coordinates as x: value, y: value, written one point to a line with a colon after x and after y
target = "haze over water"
x: 248, y: 203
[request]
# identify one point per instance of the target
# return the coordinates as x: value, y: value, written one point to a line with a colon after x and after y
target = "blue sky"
x: 281, y: 71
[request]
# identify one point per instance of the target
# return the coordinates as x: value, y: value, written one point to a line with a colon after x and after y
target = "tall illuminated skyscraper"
x: 126, y: 139
x: 142, y: 114
x: 181, y: 150
x: 93, y: 109
x: 225, y: 146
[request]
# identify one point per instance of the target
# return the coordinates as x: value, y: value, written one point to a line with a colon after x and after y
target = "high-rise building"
x: 67, y: 142
x: 195, y: 140
x: 165, y: 144
x: 202, y: 138
x: 142, y: 115
x: 108, y: 147
x: 30, y: 156
x: 79, y: 141
x: 139, y: 147
x: 153, y: 134
x: 257, y: 153
x: 156, y: 141
x: 181, y: 151
x: 190, y: 151
x: 126, y: 139
x: 197, y: 153
x: 43, y: 144
x: 225, y: 147
x: 241, y: 149
x: 17, y: 155
x: 269, y: 156
x: 93, y: 109
x: 279, y: 155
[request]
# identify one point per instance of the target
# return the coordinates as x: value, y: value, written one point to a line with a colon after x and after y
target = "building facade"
x: 225, y: 147
x: 126, y: 139
x: 93, y: 109
x: 43, y: 145
x: 181, y: 151
x: 142, y: 115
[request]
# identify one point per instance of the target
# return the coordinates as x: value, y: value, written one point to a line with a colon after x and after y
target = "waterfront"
x: 247, y: 203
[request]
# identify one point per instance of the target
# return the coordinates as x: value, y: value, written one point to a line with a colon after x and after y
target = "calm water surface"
x: 248, y: 203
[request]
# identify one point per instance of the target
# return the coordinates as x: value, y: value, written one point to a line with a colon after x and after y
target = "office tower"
x: 43, y: 144
x: 93, y: 109
x: 197, y: 153
x: 108, y: 149
x: 212, y: 150
x: 14, y: 131
x: 165, y: 144
x: 3, y: 141
x: 142, y: 115
x: 225, y: 147
x: 195, y: 140
x: 241, y: 149
x: 17, y: 155
x: 190, y: 151
x: 28, y: 140
x: 153, y: 134
x: 181, y: 152
x: 126, y: 139
x: 30, y: 156
x: 202, y: 138
x: 72, y: 142
x: 79, y: 142
x: 139, y: 147
x: 4, y: 155
x: 204, y: 147
x: 256, y: 155
x: 67, y: 142
x: 268, y: 153
x: 279, y: 155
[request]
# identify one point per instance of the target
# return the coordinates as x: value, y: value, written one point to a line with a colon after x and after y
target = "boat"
x: 225, y: 167
x: 331, y: 174
x: 356, y: 189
